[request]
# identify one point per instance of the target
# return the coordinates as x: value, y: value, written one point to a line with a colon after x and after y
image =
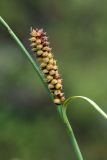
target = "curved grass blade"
x: 94, y: 105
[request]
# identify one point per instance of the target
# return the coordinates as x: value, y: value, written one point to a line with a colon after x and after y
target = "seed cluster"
x: 40, y: 46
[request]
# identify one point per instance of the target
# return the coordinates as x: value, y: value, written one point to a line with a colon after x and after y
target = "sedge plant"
x: 48, y: 72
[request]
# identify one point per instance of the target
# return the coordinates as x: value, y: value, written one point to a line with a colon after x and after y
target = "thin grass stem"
x: 26, y: 53
x: 73, y: 140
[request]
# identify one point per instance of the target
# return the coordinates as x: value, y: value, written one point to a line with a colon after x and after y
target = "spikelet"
x: 40, y: 46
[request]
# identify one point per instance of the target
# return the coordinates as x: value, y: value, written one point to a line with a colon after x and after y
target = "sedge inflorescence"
x: 47, y: 62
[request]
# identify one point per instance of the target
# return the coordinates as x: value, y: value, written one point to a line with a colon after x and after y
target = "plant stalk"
x: 26, y: 53
x: 71, y: 133
x: 21, y: 46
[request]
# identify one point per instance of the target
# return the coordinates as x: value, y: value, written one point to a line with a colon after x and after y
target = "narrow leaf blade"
x: 93, y: 104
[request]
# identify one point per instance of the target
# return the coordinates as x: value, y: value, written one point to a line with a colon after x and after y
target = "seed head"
x: 46, y: 60
x: 40, y: 47
x: 43, y: 65
x: 57, y: 101
x: 54, y: 81
x: 50, y: 86
x: 45, y: 71
x: 49, y: 66
x: 58, y: 86
x: 52, y: 72
x: 49, y: 78
x: 45, y: 54
x: 39, y: 52
x: 38, y: 41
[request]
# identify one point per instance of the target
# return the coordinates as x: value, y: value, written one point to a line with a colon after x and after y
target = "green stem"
x: 71, y: 133
x: 26, y: 53
x: 21, y: 47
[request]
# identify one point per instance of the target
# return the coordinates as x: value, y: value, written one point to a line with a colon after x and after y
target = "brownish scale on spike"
x: 40, y: 47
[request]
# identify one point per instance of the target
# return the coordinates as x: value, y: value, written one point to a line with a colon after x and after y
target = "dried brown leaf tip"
x: 40, y: 46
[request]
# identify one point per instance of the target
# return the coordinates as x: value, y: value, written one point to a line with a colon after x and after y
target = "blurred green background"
x: 30, y: 128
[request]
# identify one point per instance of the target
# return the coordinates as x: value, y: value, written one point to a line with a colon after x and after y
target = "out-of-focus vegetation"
x: 30, y: 128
